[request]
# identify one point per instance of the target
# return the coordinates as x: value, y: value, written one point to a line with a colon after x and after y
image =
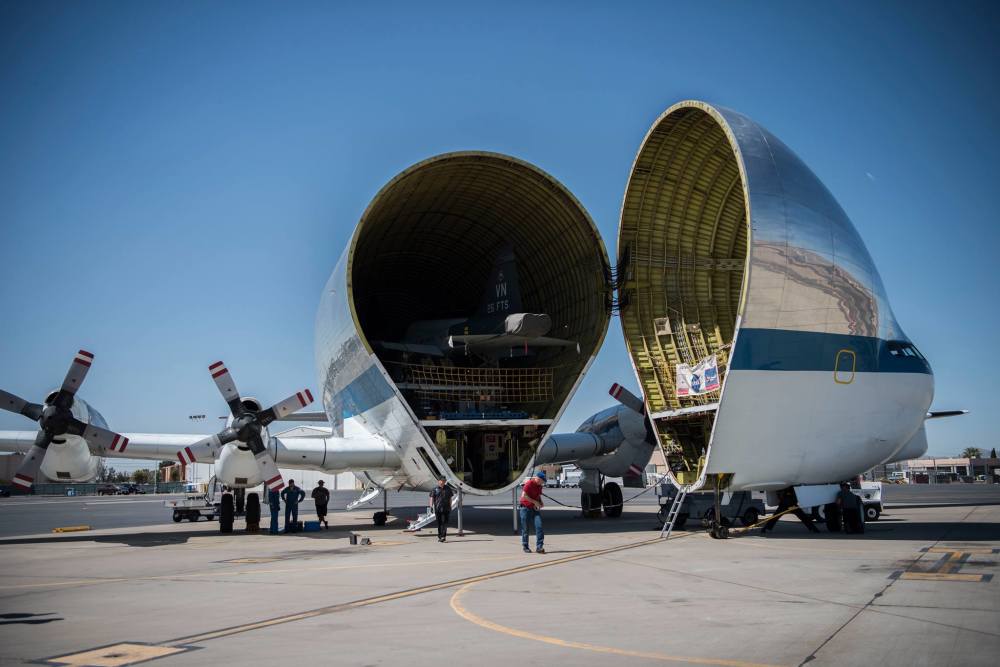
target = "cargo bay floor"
x: 918, y: 588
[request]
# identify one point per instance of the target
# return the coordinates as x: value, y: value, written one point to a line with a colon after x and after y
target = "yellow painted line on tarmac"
x: 322, y: 611
x: 978, y: 551
x: 941, y: 576
x: 72, y: 582
x: 70, y: 529
x: 225, y: 573
x: 459, y: 608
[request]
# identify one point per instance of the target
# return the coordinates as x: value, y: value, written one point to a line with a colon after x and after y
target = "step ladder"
x: 366, y: 496
x: 427, y: 517
x: 675, y: 509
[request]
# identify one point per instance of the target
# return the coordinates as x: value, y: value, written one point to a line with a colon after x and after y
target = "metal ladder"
x: 675, y: 509
x: 366, y: 496
x: 427, y: 517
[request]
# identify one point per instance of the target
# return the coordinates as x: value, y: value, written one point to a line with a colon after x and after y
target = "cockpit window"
x: 899, y: 348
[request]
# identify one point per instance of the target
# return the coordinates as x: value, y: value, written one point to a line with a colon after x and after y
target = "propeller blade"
x: 265, y: 463
x: 77, y: 372
x: 101, y: 437
x: 28, y: 470
x: 269, y: 472
x: 207, y: 448
x: 227, y: 387
x: 18, y: 405
x: 286, y: 407
x: 627, y: 398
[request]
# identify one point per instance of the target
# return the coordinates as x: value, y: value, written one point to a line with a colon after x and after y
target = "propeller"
x: 636, y: 404
x: 247, y: 426
x: 55, y: 418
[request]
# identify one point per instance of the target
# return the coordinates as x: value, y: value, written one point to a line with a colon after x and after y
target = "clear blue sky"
x: 178, y: 179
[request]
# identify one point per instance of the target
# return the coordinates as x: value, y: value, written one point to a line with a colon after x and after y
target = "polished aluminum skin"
x: 809, y: 270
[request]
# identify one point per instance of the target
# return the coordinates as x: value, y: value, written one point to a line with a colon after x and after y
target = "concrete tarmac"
x: 917, y: 589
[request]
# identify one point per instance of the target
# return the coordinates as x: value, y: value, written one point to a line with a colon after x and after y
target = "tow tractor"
x: 744, y: 506
x: 194, y: 507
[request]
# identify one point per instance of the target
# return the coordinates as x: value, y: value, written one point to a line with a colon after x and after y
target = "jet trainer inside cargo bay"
x: 476, y: 291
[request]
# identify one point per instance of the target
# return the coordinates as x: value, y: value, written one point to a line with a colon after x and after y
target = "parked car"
x: 4, y: 492
x: 130, y: 489
x: 107, y: 490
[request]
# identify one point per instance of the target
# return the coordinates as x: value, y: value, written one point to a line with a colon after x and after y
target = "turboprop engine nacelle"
x: 613, y: 442
x: 68, y: 458
x: 237, y: 468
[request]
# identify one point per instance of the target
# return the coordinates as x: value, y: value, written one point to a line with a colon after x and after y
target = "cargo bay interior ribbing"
x: 425, y: 250
x: 684, y: 232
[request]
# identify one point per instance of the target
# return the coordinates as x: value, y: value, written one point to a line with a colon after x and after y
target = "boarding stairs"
x: 675, y: 509
x: 427, y: 518
x: 366, y: 496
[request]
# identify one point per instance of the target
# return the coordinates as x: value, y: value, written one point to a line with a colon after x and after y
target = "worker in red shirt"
x: 531, y: 510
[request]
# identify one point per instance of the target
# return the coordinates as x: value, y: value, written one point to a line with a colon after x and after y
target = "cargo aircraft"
x: 729, y: 249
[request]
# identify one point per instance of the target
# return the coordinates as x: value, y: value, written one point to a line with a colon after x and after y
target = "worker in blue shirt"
x: 274, y: 503
x: 292, y: 495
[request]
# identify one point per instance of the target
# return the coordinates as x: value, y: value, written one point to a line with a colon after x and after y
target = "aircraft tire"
x: 750, y: 516
x: 252, y: 510
x: 591, y: 504
x: 178, y: 517
x: 872, y: 513
x: 379, y: 518
x: 611, y: 499
x: 227, y: 513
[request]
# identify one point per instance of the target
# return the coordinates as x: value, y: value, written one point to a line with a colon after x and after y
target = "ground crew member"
x: 322, y: 496
x: 441, y: 503
x: 531, y: 510
x: 851, y: 509
x: 274, y: 502
x: 787, y: 501
x: 292, y: 495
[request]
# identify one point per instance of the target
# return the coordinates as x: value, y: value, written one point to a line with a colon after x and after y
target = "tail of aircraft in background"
x: 498, y: 328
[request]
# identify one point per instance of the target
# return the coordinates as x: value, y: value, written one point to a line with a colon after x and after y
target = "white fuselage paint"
x: 781, y: 428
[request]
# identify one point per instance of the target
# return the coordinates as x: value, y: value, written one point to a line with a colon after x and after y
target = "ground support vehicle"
x: 193, y: 507
x: 871, y: 497
x: 741, y: 506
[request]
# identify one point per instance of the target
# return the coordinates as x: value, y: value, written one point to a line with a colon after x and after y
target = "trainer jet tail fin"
x: 502, y: 295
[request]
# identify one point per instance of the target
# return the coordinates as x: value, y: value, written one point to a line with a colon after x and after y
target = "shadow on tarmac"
x: 28, y: 619
x: 491, y: 521
x: 898, y: 529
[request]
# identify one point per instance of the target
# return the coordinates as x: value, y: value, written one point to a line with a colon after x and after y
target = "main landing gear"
x: 380, y: 518
x: 608, y: 498
x: 718, y: 525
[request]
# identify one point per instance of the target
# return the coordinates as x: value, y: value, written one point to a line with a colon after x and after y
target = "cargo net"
x: 455, y: 383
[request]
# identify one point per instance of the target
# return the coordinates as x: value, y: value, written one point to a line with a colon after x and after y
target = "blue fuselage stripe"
x: 784, y: 350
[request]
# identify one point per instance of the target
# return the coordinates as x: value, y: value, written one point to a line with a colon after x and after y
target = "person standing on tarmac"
x: 531, y: 510
x: 787, y: 500
x: 851, y: 509
x: 274, y: 503
x: 292, y: 495
x: 441, y: 502
x: 321, y: 495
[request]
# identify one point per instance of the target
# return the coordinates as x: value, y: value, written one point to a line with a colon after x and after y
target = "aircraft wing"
x: 304, y: 417
x: 496, y: 341
x: 151, y: 446
x: 412, y: 348
x: 941, y: 414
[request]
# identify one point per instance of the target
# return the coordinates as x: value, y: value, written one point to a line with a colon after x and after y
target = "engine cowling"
x: 68, y: 458
x: 236, y: 467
